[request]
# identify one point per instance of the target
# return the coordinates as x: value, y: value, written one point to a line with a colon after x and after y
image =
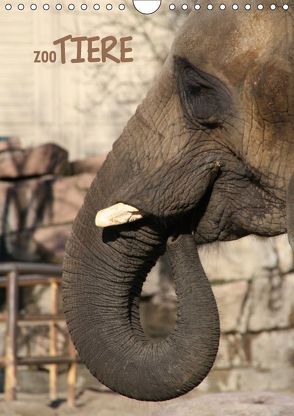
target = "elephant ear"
x: 290, y: 211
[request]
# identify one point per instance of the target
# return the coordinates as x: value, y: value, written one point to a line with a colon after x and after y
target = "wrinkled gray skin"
x: 207, y: 156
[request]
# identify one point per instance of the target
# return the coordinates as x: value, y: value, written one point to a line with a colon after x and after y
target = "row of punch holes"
x: 122, y: 7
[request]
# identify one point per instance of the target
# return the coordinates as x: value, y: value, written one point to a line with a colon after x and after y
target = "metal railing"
x: 12, y: 276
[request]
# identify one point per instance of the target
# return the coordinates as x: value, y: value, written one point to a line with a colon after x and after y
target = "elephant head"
x: 207, y: 156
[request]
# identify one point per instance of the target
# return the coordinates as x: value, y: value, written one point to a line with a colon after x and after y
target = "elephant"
x: 208, y: 156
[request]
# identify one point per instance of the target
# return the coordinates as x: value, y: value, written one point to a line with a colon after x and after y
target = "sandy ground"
x: 90, y: 403
x: 93, y: 403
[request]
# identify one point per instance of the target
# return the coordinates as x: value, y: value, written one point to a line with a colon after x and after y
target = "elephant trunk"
x: 104, y: 270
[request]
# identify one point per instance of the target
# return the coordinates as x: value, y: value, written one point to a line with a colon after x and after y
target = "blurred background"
x: 57, y: 123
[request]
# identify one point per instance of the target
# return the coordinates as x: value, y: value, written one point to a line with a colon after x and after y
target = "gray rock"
x: 284, y: 252
x: 45, y: 159
x: 9, y: 143
x: 246, y: 258
x: 33, y: 205
x: 272, y: 303
x: 230, y: 298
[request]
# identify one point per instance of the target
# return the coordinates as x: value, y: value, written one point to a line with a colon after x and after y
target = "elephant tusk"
x: 117, y: 214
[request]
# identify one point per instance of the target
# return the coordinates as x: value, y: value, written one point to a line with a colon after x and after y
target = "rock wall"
x: 40, y: 194
x: 253, y: 281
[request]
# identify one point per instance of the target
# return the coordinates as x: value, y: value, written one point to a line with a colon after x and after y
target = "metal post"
x: 10, y: 355
x: 53, y: 371
x: 71, y: 376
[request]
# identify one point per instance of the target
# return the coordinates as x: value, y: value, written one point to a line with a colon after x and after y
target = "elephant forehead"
x: 227, y: 45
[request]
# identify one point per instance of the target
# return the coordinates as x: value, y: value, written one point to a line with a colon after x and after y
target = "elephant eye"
x: 205, y: 100
x: 194, y: 89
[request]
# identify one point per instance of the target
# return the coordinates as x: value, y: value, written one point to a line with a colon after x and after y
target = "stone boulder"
x: 36, y: 215
x: 9, y: 143
x: 42, y: 160
x: 246, y: 258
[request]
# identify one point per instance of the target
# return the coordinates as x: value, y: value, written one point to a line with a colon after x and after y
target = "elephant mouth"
x: 123, y: 216
x: 182, y: 219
